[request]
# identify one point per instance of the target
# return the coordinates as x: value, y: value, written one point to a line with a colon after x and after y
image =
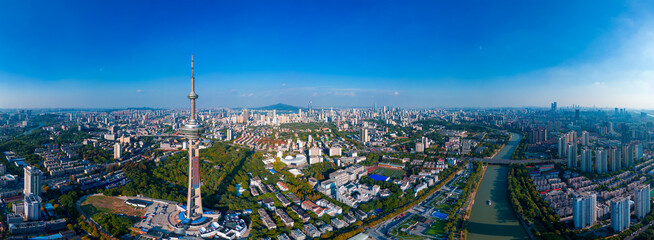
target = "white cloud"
x: 350, y: 94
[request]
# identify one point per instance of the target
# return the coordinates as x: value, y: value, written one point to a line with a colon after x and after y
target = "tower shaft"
x: 194, y: 200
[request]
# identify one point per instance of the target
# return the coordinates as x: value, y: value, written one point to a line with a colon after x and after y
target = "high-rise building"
x: 584, y: 211
x: 538, y: 135
x: 572, y: 155
x: 32, y: 177
x: 117, y: 151
x: 229, y: 134
x: 309, y: 109
x: 32, y: 207
x: 246, y: 116
x: 364, y: 135
x: 610, y: 127
x: 420, y: 147
x: 335, y: 151
x: 638, y: 151
x: 614, y: 158
x: 601, y: 160
x: 627, y: 155
x: 585, y: 138
x: 315, y: 151
x: 192, y: 130
x: 641, y: 197
x: 553, y: 107
x: 586, y: 159
x: 619, y: 214
x: 572, y: 137
x: 563, y: 144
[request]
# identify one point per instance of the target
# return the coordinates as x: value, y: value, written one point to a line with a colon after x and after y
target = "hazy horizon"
x: 81, y: 55
x: 559, y: 108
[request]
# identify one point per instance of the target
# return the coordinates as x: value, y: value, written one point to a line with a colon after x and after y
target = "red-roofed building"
x: 282, y: 186
x: 308, y: 205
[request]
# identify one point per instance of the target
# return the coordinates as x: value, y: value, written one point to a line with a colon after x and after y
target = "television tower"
x: 192, y: 130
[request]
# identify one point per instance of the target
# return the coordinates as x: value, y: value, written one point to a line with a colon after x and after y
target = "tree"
x: 95, y: 233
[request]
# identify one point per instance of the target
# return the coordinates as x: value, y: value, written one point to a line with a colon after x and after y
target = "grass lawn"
x: 103, y: 204
x: 436, y: 229
x: 392, y: 173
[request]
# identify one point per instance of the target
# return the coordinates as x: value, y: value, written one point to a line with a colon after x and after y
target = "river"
x: 30, y: 131
x: 497, y: 221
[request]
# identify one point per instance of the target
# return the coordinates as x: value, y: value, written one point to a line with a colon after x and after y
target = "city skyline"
x: 424, y: 54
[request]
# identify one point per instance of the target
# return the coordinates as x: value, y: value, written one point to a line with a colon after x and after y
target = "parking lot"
x: 157, y: 216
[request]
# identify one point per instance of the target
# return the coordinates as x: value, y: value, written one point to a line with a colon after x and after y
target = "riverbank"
x: 471, y: 201
x: 499, y: 150
x: 498, y: 220
x: 474, y: 193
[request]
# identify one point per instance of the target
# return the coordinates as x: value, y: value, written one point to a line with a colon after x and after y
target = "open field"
x: 103, y: 204
x: 436, y: 229
x: 392, y: 173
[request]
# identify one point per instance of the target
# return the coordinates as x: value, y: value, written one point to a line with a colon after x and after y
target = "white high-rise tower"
x: 117, y: 151
x: 32, y: 182
x: 192, y: 130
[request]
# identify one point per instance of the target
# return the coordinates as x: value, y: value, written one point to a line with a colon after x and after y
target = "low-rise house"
x: 311, y: 231
x: 285, y: 202
x: 301, y: 213
x: 287, y: 220
x: 297, y: 234
x: 265, y: 218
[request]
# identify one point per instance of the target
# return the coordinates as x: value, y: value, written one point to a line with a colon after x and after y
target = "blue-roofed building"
x: 49, y: 237
x: 48, y: 206
x: 379, y: 177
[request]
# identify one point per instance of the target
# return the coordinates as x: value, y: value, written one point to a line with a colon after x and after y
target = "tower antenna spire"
x: 192, y: 95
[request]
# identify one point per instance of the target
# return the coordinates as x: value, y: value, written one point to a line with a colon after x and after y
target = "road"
x: 641, y: 230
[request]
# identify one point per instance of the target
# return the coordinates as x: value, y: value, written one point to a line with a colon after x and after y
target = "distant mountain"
x: 280, y: 107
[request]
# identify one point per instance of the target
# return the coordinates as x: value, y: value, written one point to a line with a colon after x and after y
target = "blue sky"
x: 336, y: 53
